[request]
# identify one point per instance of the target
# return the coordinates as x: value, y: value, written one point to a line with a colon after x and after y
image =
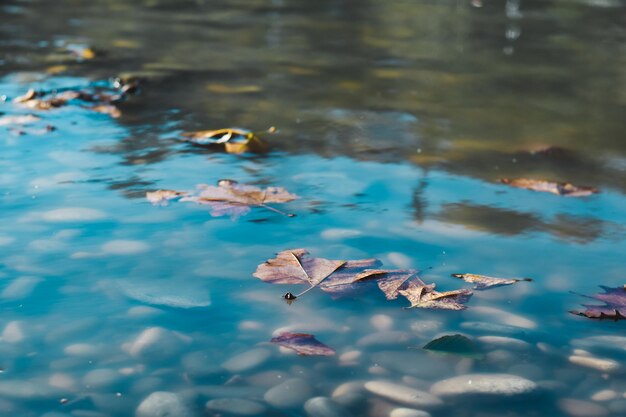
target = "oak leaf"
x: 614, y: 307
x: 483, y: 282
x: 559, y: 188
x: 303, y: 343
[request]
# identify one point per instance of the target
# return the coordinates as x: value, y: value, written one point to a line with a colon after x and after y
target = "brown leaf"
x: 231, y: 198
x: 235, y: 140
x: 484, y: 282
x: 335, y: 277
x: 558, y: 188
x: 614, y: 307
x: 107, y: 109
x: 292, y: 267
x: 162, y: 197
x: 425, y: 296
x: 303, y: 343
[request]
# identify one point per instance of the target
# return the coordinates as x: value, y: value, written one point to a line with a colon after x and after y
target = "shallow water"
x: 395, y: 122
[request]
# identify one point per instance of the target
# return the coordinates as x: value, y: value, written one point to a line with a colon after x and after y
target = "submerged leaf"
x: 335, y: 277
x: 484, y: 282
x: 558, y: 188
x: 456, y: 344
x: 614, y: 307
x: 303, y: 343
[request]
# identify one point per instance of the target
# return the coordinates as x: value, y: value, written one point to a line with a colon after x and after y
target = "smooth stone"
x: 163, y: 404
x: 603, y: 365
x: 155, y: 344
x: 403, y: 394
x: 408, y: 412
x: 250, y: 325
x: 501, y: 357
x: 101, y: 378
x: 503, y: 317
x: 606, y: 342
x: 27, y: 390
x: 83, y: 350
x: 377, y: 370
x: 618, y: 407
x: 528, y: 371
x: 221, y: 391
x: 12, y: 332
x: 143, y: 312
x: 387, y: 338
x: 425, y: 327
x: 73, y: 214
x: 247, y: 361
x: 324, y: 407
x: 19, y: 288
x: 289, y: 394
x: 350, y: 357
x: 199, y: 364
x: 604, y: 395
x: 412, y: 363
x: 578, y: 408
x: 62, y: 381
x: 504, y: 342
x: 349, y: 394
x: 238, y: 406
x: 482, y: 326
x: 484, y: 384
x: 124, y: 247
x: 267, y: 379
x: 381, y: 322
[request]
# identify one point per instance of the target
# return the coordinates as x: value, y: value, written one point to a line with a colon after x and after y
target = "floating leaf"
x: 558, y: 188
x: 484, y: 282
x: 422, y: 295
x: 303, y: 343
x: 455, y: 344
x: 231, y: 198
x: 614, y: 307
x: 162, y: 197
x: 107, y: 109
x: 233, y: 89
x: 227, y: 198
x: 295, y: 267
x: 234, y: 140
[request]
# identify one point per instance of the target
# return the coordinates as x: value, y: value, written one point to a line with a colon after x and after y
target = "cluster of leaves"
x: 101, y: 99
x: 233, y: 140
x: 228, y: 198
x: 614, y: 307
x: 559, y: 188
x: 338, y: 277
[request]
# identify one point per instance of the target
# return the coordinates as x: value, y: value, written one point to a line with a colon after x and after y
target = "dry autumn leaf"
x: 340, y: 277
x: 303, y: 343
x: 559, y: 188
x: 227, y: 198
x: 422, y: 295
x: 614, y: 307
x: 484, y: 282
x: 234, y: 140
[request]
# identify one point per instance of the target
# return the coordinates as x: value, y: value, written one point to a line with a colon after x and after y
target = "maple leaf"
x: 235, y: 140
x: 231, y: 198
x: 614, y: 307
x: 422, y: 295
x: 558, y: 188
x: 484, y: 282
x: 303, y: 343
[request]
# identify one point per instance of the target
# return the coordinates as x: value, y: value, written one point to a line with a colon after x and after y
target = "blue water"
x: 88, y: 265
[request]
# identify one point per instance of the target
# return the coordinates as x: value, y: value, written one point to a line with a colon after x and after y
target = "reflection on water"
x: 396, y: 119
